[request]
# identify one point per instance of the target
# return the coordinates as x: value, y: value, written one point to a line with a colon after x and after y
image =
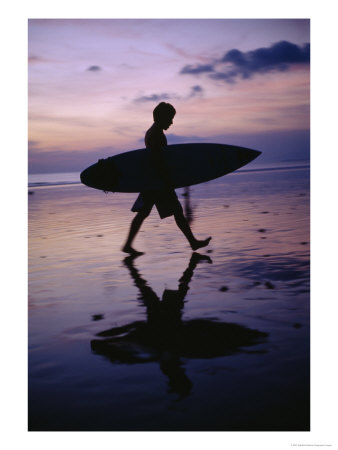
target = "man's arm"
x: 158, y: 158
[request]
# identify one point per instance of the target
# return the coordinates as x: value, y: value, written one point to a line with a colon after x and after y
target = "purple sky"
x: 94, y: 83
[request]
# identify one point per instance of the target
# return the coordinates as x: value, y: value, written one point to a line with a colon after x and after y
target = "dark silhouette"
x: 166, y: 338
x: 165, y: 199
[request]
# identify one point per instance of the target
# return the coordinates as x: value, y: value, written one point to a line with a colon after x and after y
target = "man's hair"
x: 163, y: 110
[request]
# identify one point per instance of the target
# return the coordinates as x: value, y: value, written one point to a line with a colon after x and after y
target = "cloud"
x: 34, y: 59
x: 94, y: 68
x: 196, y: 91
x: 237, y: 64
x: 155, y: 97
x: 33, y: 144
x: 197, y: 69
x: 65, y: 120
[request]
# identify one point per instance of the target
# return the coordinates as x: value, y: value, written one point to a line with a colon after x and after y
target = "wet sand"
x: 171, y: 340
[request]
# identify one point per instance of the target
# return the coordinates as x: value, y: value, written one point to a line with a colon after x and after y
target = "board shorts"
x: 165, y: 200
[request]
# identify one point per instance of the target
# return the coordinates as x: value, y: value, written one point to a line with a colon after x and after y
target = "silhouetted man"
x: 165, y: 198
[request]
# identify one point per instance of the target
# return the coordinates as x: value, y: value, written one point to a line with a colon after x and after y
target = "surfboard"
x: 188, y: 164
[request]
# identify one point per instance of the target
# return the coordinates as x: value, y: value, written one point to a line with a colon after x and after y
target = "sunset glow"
x: 94, y: 83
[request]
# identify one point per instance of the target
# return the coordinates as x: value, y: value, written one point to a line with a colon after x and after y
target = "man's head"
x: 164, y: 114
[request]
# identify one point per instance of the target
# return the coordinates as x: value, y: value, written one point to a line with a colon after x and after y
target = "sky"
x: 93, y: 84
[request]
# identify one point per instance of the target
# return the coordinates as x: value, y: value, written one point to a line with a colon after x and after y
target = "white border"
x: 14, y: 229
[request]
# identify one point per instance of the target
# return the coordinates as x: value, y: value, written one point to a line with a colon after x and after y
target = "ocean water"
x: 171, y: 340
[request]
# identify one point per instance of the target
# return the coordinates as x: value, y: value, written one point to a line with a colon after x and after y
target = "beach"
x: 173, y: 340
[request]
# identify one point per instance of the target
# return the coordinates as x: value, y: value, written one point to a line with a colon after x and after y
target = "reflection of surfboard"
x: 141, y: 342
x: 188, y: 164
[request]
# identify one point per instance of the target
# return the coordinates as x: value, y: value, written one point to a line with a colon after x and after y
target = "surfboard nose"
x: 247, y: 155
x: 85, y: 177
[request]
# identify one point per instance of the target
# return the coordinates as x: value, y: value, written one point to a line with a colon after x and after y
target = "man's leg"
x: 183, y: 225
x: 134, y: 229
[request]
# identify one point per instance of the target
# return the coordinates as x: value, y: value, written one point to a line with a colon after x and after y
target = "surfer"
x: 165, y: 199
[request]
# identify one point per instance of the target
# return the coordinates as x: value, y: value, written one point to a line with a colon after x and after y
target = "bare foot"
x: 199, y: 244
x: 198, y: 257
x: 131, y: 251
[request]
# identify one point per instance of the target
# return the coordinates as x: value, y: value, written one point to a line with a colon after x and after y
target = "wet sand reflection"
x: 168, y: 339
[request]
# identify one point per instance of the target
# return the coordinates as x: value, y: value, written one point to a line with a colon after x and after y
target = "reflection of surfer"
x: 168, y: 339
x: 160, y: 337
x: 165, y: 199
x: 164, y: 320
x: 165, y: 315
